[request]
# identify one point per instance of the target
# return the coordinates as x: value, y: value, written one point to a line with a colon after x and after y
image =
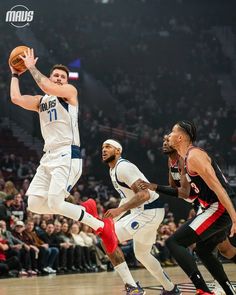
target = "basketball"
x: 15, y: 61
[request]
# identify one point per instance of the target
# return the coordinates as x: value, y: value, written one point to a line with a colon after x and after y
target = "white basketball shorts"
x: 57, y: 173
x: 140, y: 225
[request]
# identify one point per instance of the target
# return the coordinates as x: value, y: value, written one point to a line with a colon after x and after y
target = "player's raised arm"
x: 28, y: 102
x: 56, y: 85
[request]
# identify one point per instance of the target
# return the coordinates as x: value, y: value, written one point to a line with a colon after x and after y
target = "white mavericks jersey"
x: 123, y: 175
x: 58, y: 122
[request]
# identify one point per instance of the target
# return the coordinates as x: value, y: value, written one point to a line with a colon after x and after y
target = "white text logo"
x: 19, y: 16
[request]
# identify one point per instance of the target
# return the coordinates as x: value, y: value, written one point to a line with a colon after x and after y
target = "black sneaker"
x: 134, y: 290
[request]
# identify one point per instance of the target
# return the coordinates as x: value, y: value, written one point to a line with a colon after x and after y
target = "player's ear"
x: 180, y: 137
x: 118, y: 152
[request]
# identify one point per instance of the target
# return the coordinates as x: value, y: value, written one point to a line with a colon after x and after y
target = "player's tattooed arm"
x: 30, y: 61
x: 141, y: 196
x: 38, y: 77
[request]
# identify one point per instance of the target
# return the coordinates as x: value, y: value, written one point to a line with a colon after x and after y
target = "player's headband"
x: 114, y: 143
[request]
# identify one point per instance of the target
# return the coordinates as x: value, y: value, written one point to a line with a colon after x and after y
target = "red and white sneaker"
x: 91, y: 207
x: 201, y: 292
x: 108, y: 235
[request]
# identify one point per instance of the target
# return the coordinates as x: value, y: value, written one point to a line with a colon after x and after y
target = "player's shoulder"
x: 195, y: 151
x: 123, y: 164
x: 196, y: 154
x: 126, y: 171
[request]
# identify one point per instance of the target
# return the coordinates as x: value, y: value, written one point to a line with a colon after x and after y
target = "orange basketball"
x: 15, y: 61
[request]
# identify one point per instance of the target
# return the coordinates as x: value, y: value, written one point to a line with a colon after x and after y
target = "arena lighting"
x: 73, y: 76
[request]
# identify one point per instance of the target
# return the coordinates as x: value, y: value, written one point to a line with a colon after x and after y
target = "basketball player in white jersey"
x: 61, y: 165
x: 147, y: 212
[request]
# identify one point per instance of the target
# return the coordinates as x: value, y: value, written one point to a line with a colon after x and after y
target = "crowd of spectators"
x: 31, y: 244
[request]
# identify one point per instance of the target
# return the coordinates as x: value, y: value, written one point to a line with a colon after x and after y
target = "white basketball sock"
x: 59, y: 206
x: 91, y: 221
x: 125, y: 274
x: 143, y: 254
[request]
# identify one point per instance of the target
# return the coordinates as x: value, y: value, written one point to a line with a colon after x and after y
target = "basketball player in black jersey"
x: 208, y: 228
x: 178, y: 180
x: 213, y: 192
x: 178, y: 185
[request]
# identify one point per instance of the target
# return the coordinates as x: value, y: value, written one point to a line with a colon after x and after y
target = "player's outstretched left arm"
x: 66, y: 91
x: 171, y: 190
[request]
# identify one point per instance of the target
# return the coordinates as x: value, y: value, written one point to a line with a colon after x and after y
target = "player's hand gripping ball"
x: 16, y: 61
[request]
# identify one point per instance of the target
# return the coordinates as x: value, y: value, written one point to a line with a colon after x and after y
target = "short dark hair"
x: 50, y: 222
x: 60, y: 67
x: 9, y: 198
x: 189, y: 128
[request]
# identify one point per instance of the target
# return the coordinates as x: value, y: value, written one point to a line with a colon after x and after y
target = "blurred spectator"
x: 47, y: 256
x: 93, y: 254
x: 9, y: 164
x: 18, y: 208
x: 19, y: 249
x: 48, y: 237
x: 5, y: 211
x: 11, y: 263
x: 10, y: 189
x: 66, y: 243
x: 20, y: 234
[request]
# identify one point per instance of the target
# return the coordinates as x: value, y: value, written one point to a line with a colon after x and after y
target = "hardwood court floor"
x: 98, y: 283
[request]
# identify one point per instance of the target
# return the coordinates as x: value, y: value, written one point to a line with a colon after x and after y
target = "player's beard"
x: 168, y: 152
x: 110, y: 159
